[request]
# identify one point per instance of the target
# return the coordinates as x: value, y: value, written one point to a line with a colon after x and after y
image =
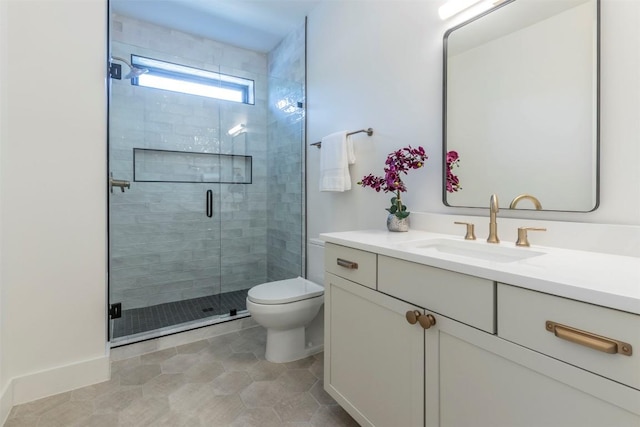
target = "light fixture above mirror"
x: 453, y: 7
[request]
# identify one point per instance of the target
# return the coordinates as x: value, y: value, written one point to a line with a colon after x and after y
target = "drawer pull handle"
x: 587, y: 339
x: 347, y: 264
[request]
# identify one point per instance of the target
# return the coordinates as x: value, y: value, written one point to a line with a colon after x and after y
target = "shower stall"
x: 207, y: 194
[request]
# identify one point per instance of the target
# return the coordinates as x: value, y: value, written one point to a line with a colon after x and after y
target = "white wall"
x: 5, y: 394
x: 52, y: 187
x: 379, y: 64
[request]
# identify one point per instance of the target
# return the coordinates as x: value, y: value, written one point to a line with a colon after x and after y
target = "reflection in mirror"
x: 521, y: 105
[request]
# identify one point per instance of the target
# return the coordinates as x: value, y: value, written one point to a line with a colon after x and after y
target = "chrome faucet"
x: 493, y: 224
x: 535, y: 201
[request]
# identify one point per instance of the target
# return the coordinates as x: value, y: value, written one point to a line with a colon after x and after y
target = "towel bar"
x: 368, y: 131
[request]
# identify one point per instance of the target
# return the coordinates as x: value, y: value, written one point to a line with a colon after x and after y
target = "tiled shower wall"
x: 285, y: 157
x: 163, y: 247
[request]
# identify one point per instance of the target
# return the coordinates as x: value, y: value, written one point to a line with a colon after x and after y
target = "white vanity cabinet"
x: 374, y: 359
x: 480, y: 364
x: 478, y: 379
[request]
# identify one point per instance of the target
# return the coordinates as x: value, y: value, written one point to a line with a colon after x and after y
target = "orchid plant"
x: 453, y: 183
x: 398, y: 163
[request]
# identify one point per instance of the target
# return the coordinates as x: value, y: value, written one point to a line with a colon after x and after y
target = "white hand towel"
x: 351, y: 154
x: 336, y: 154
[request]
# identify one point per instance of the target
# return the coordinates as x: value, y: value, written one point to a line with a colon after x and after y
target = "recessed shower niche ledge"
x: 151, y: 165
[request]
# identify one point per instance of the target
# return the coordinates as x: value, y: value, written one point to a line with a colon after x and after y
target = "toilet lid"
x: 284, y: 291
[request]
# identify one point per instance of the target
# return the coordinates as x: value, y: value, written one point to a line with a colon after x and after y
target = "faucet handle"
x: 122, y: 183
x: 470, y: 230
x: 522, y: 235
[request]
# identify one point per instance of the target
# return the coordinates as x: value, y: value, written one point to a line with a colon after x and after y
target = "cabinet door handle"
x: 426, y: 321
x: 347, y: 264
x: 413, y: 316
x: 588, y: 339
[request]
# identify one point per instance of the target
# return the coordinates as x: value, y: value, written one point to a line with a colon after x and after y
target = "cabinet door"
x: 374, y: 358
x: 487, y: 381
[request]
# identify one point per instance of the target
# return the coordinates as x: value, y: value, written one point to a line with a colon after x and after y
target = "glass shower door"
x: 164, y: 231
x: 263, y: 219
x: 165, y: 257
x: 243, y: 196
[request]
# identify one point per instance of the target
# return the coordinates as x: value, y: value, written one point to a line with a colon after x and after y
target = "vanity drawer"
x: 464, y: 298
x: 352, y: 264
x: 523, y: 317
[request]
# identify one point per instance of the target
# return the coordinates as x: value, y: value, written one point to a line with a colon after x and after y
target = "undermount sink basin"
x: 472, y: 249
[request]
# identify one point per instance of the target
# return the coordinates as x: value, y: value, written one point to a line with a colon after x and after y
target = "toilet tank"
x: 315, y: 261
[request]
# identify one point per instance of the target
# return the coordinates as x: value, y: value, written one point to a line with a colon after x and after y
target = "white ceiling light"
x: 453, y: 7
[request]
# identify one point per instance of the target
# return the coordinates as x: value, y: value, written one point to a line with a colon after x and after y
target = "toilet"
x: 285, y: 308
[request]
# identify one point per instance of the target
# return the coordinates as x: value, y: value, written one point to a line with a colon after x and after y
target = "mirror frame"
x: 596, y: 100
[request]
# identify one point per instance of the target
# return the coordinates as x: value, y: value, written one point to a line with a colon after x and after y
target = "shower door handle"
x: 209, y: 206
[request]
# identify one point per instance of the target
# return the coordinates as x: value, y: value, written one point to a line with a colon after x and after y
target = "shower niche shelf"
x: 151, y: 165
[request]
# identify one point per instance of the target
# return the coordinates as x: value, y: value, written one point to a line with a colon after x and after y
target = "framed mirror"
x: 521, y: 96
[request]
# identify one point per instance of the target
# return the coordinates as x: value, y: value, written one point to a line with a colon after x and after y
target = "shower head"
x: 133, y: 71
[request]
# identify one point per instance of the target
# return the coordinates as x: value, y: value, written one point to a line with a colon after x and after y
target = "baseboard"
x: 6, y: 402
x: 58, y: 380
x: 315, y: 350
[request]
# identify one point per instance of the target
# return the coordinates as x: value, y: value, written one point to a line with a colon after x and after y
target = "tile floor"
x: 221, y: 381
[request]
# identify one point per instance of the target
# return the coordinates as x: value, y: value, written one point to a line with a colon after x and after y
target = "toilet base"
x: 285, y: 346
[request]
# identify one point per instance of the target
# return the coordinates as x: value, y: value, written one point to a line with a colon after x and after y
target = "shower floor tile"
x: 137, y: 320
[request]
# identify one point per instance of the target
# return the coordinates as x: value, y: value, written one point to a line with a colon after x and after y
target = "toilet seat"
x: 284, y: 291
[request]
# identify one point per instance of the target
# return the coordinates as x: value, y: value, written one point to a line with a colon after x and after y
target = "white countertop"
x: 602, y: 279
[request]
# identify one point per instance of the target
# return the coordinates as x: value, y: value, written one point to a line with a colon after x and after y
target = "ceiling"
x: 252, y: 24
